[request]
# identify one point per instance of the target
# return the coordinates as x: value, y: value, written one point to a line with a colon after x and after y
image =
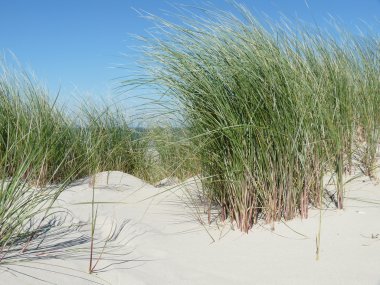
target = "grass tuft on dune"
x: 270, y: 108
x: 43, y: 148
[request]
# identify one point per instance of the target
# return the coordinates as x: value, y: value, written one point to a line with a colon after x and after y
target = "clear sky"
x: 75, y: 44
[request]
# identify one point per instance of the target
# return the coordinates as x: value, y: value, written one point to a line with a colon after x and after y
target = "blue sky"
x: 74, y: 45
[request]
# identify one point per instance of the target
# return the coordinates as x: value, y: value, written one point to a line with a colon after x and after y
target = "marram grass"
x: 270, y: 110
x: 43, y: 149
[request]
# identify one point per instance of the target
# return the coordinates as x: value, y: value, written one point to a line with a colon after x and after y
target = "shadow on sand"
x: 58, y: 239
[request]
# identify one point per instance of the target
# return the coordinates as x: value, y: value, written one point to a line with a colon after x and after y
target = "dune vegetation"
x: 266, y: 112
x: 270, y: 109
x: 43, y: 148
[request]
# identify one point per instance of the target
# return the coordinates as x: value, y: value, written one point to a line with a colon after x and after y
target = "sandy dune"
x: 153, y: 235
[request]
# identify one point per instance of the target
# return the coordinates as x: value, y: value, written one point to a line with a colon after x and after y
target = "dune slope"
x: 148, y: 235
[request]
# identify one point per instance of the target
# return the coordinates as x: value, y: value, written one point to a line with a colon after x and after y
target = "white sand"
x: 163, y: 241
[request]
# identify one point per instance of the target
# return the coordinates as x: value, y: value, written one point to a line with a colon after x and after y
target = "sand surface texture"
x: 149, y: 235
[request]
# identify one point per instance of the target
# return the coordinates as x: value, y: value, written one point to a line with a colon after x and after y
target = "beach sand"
x: 149, y: 235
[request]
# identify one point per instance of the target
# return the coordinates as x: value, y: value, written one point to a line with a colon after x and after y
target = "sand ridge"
x: 149, y: 235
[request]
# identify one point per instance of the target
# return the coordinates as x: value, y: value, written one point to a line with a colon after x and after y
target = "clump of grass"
x: 24, y: 208
x: 29, y: 121
x: 94, y: 138
x: 108, y: 140
x: 43, y: 148
x: 35, y: 152
x: 271, y: 110
x: 25, y: 164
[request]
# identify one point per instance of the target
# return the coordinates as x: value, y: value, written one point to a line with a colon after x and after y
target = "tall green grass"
x: 43, y: 148
x: 95, y: 137
x: 108, y: 141
x: 31, y: 156
x: 270, y: 108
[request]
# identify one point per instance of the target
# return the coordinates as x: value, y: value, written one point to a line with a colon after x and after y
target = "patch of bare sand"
x: 148, y: 235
